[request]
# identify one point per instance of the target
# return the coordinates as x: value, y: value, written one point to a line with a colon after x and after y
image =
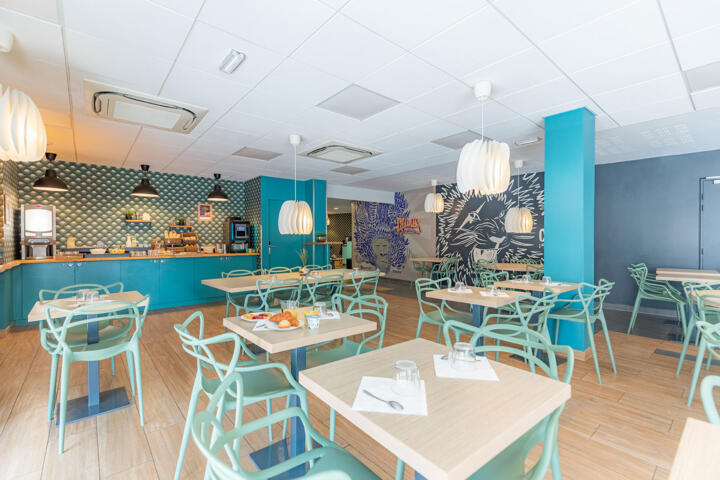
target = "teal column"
x: 570, y: 207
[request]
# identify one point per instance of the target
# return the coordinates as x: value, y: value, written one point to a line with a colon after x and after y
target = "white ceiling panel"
x: 189, y: 8
x: 393, y: 120
x: 31, y: 78
x: 543, y: 96
x: 280, y: 25
x: 450, y: 98
x: 517, y: 72
x: 55, y: 118
x: 709, y: 98
x: 539, y: 116
x: 603, y: 122
x: 34, y: 39
x: 473, y: 118
x: 636, y: 27
x: 644, y: 113
x: 642, y: 94
x: 515, y: 129
x: 346, y: 49
x: 335, y: 4
x: 163, y: 137
x: 220, y: 140
x: 271, y: 107
x: 43, y: 9
x: 102, y: 141
x: 405, y: 78
x: 685, y: 17
x: 480, y: 39
x: 322, y: 122
x: 238, y: 121
x: 136, y: 24
x: 698, y: 48
x: 60, y: 141
x: 408, y: 23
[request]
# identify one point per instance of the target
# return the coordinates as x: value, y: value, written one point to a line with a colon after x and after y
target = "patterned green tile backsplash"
x: 93, y: 209
x: 9, y: 241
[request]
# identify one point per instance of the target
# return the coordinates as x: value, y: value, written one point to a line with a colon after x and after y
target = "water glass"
x: 462, y: 356
x: 273, y: 277
x: 459, y: 286
x: 547, y: 279
x: 493, y: 290
x: 313, y: 321
x: 407, y: 377
x: 92, y: 296
x: 82, y: 295
x: 526, y: 278
x: 356, y: 270
x: 321, y: 308
x: 289, y: 305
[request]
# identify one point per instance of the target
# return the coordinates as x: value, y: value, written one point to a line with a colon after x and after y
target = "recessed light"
x: 336, y: 208
x: 256, y: 153
x: 527, y: 141
x: 232, y: 61
x: 357, y: 102
x: 349, y: 170
x: 456, y: 141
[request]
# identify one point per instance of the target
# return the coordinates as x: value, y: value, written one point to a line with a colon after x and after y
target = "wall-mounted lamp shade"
x: 22, y: 131
x: 232, y: 61
x: 145, y: 189
x: 217, y: 194
x: 50, y: 181
x: 484, y: 167
x: 518, y: 220
x: 295, y: 218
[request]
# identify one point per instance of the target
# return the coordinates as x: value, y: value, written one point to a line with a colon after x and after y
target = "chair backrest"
x: 315, y: 268
x: 241, y: 273
x: 369, y: 307
x: 485, y: 264
x: 705, y: 304
x: 449, y: 267
x: 638, y: 271
x: 485, y: 277
x: 285, y: 289
x: 528, y: 311
x: 536, y: 273
x: 592, y: 297
x: 72, y: 290
x: 323, y: 286
x: 272, y: 270
x: 710, y: 333
x: 423, y: 285
x: 708, y: 400
x: 362, y: 280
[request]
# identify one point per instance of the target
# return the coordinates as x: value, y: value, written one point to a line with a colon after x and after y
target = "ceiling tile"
x: 405, y: 78
x: 43, y: 9
x: 517, y: 128
x: 603, y: 122
x: 323, y: 122
x: 60, y: 141
x: 621, y: 72
x: 336, y: 4
x: 102, y: 141
x: 55, y: 118
x: 271, y: 107
x: 189, y: 8
x: 136, y: 24
x: 396, y: 119
x: 450, y: 98
x: 34, y: 39
x: 698, y: 48
x: 32, y: 78
x: 584, y: 102
x: 546, y: 95
x: 163, y: 137
x: 643, y: 113
x: 280, y: 25
x: 238, y: 121
x: 707, y: 98
x: 479, y: 40
x: 642, y: 94
x: 346, y: 49
x: 684, y: 17
x: 473, y: 118
x: 635, y: 27
x: 410, y: 22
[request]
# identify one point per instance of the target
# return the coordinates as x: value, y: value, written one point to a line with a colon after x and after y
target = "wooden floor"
x: 627, y: 428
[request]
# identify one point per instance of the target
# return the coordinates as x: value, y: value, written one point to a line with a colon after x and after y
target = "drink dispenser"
x: 37, y: 231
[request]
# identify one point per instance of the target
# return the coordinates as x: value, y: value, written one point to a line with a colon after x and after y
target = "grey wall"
x: 648, y: 211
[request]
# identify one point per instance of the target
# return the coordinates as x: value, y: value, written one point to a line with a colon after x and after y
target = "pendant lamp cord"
x: 482, y: 119
x: 295, y: 169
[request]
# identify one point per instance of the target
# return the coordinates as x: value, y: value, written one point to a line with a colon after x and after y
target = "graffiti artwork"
x: 378, y: 243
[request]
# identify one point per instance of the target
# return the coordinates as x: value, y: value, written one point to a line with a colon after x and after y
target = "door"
x: 282, y: 249
x: 710, y: 223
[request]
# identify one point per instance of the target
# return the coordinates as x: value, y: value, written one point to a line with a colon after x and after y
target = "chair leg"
x: 188, y: 424
x: 696, y: 371
x: 709, y: 360
x: 63, y: 402
x: 636, y: 307
x: 686, y: 342
x: 557, y: 330
x: 112, y: 366
x: 268, y: 409
x: 399, y: 469
x: 131, y: 370
x: 332, y: 424
x: 53, y: 386
x: 594, y: 352
x: 138, y: 381
x: 287, y: 405
x: 555, y: 463
x: 439, y: 332
x: 603, y: 324
x: 419, y: 327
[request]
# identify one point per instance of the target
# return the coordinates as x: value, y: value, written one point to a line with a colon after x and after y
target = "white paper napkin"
x: 382, y: 387
x: 482, y: 371
x: 331, y: 315
x: 261, y: 325
x: 488, y: 294
x: 455, y: 290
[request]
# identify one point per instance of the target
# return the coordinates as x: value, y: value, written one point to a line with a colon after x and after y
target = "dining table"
x: 698, y: 454
x: 516, y: 267
x: 479, y: 298
x: 296, y: 342
x: 687, y: 275
x: 428, y: 259
x: 95, y: 402
x: 468, y: 422
x: 249, y: 283
x: 537, y: 286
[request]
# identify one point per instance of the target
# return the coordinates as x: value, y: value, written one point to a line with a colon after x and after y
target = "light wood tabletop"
x: 469, y: 422
x: 698, y: 455
x: 474, y: 298
x: 517, y: 267
x: 249, y: 283
x: 712, y: 293
x: 536, y: 286
x: 37, y: 312
x: 687, y: 275
x: 275, y: 341
x: 428, y: 259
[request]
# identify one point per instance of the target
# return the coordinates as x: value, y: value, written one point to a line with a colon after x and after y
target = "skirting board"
x: 5, y: 330
x: 579, y: 354
x: 661, y: 312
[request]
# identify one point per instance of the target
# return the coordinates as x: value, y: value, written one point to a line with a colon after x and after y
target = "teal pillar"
x: 570, y: 207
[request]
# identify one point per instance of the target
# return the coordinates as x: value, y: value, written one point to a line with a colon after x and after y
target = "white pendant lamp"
x: 22, y: 132
x: 484, y: 165
x: 295, y: 216
x: 518, y: 219
x: 434, y: 202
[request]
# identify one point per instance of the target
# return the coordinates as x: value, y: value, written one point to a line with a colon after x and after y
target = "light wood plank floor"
x: 627, y: 428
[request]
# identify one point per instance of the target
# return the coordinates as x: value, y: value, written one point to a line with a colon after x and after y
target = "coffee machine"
x: 37, y: 231
x: 237, y: 234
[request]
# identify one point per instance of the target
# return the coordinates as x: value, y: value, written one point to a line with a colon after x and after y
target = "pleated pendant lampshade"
x: 22, y: 131
x: 434, y: 202
x: 518, y: 219
x: 295, y: 217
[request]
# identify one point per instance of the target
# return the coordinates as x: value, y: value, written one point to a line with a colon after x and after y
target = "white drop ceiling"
x: 624, y: 60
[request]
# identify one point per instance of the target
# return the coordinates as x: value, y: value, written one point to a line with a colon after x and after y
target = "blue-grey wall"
x: 648, y: 211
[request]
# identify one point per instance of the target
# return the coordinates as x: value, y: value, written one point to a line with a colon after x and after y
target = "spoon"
x: 392, y: 403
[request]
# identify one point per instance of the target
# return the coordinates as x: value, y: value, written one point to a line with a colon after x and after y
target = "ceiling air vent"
x: 338, y: 153
x: 128, y: 106
x: 350, y: 170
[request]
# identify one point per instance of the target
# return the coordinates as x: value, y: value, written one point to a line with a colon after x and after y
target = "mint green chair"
x: 421, y: 269
x: 709, y: 341
x: 321, y: 288
x: 586, y: 307
x: 274, y: 270
x: 434, y: 313
x: 364, y: 283
x: 262, y: 381
x: 327, y: 460
x: 649, y: 288
x: 125, y: 318
x: 536, y: 273
x: 269, y: 294
x: 524, y: 343
x: 706, y: 394
x: 237, y: 299
x: 314, y: 267
x: 711, y: 315
x: 526, y: 311
x: 485, y: 277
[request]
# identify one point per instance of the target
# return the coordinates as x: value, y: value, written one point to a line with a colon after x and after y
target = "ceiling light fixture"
x: 518, y: 219
x: 484, y: 165
x: 434, y: 202
x: 295, y: 216
x: 50, y: 181
x: 232, y: 61
x: 22, y: 131
x: 527, y: 141
x: 145, y: 189
x: 6, y: 40
x: 217, y: 194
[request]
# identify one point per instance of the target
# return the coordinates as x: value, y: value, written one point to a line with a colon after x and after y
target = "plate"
x: 274, y: 326
x: 248, y: 316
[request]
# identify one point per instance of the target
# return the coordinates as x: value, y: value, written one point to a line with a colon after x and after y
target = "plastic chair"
x: 649, y: 288
x: 318, y: 267
x: 127, y: 317
x: 526, y: 311
x: 433, y: 313
x: 237, y: 299
x: 709, y: 340
x: 706, y: 394
x: 485, y: 277
x: 270, y: 293
x: 367, y: 281
x: 272, y: 270
x: 711, y: 315
x: 262, y: 381
x: 420, y: 269
x: 522, y: 342
x: 591, y: 311
x: 327, y: 460
x: 536, y: 273
x: 322, y: 288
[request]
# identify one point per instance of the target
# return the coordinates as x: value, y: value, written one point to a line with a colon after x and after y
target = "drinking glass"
x: 356, y: 270
x: 547, y: 279
x: 273, y: 277
x: 462, y: 356
x: 92, y: 296
x: 493, y: 290
x: 82, y: 295
x: 321, y: 308
x: 459, y: 286
x: 526, y: 278
x: 313, y: 321
x: 407, y: 377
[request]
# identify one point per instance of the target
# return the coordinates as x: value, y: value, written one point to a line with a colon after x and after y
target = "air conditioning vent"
x: 128, y: 106
x: 337, y: 152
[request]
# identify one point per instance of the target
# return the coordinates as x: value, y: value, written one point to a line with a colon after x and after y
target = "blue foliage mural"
x: 377, y: 242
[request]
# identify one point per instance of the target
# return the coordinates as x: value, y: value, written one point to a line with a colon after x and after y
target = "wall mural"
x: 377, y: 243
x: 472, y: 226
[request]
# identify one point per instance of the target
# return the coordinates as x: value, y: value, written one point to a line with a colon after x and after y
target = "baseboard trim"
x: 5, y: 330
x: 660, y: 312
x: 578, y: 354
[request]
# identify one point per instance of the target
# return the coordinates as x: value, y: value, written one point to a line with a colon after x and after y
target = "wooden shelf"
x: 138, y: 221
x: 179, y: 226
x: 322, y: 243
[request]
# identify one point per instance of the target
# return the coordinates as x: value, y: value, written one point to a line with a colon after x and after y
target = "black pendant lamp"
x: 217, y: 194
x: 50, y: 181
x: 145, y: 189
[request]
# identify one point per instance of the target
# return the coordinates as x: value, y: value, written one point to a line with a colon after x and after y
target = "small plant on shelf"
x: 129, y: 214
x: 303, y: 254
x: 181, y: 220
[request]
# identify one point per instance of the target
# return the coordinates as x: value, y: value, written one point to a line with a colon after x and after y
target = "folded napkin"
x: 261, y: 325
x: 383, y: 388
x: 482, y: 370
x: 518, y: 280
x: 331, y: 315
x: 488, y: 294
x: 455, y: 290
x: 554, y: 284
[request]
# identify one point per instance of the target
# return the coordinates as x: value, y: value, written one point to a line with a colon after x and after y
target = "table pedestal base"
x: 272, y: 455
x: 78, y: 408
